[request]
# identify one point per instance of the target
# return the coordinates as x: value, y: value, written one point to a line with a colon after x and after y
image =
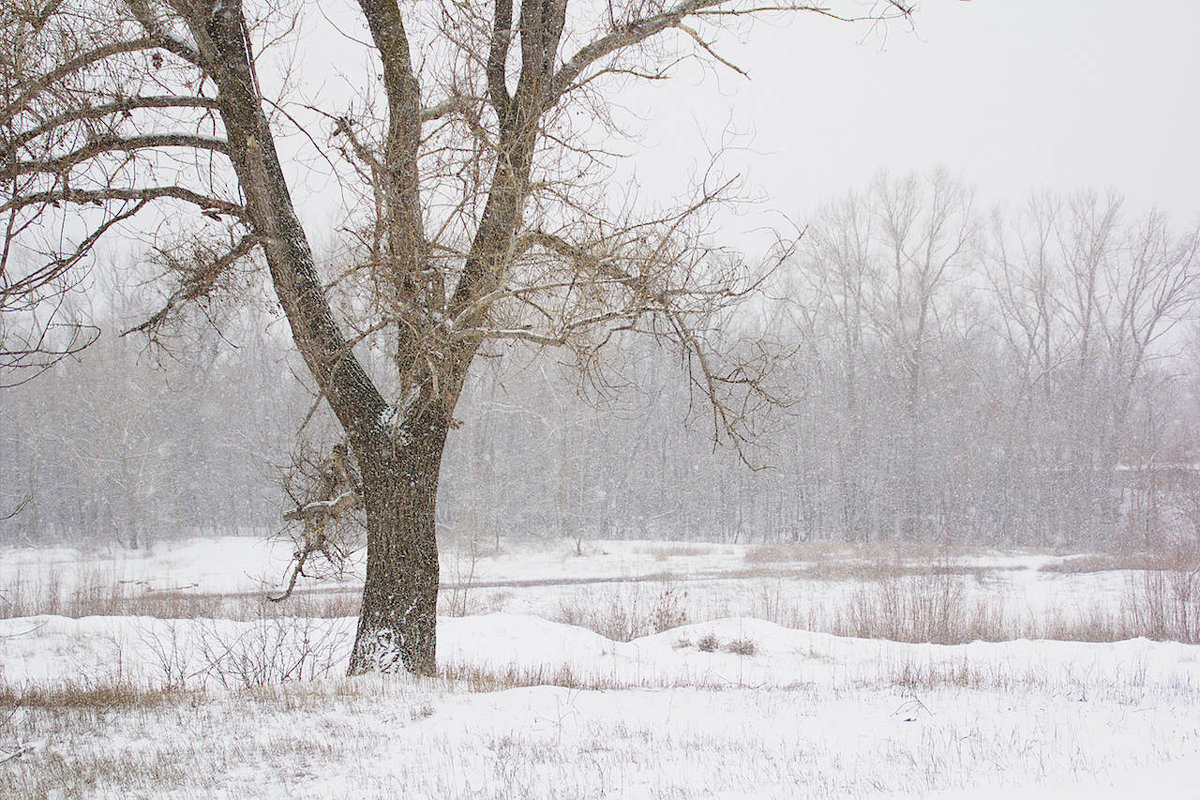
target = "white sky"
x: 1014, y: 95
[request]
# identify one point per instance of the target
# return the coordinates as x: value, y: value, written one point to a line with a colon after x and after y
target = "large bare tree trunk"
x: 397, y: 624
x: 399, y: 452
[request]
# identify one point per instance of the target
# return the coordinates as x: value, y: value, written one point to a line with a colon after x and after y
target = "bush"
x: 1165, y: 604
x: 742, y: 647
x: 626, y: 614
x: 926, y: 608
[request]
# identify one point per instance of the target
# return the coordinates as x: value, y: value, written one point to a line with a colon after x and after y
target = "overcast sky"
x: 1012, y: 94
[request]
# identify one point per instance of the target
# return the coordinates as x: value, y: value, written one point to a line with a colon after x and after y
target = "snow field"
x: 532, y: 708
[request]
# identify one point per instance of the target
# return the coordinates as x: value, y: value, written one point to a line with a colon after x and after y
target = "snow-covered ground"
x: 720, y: 705
x: 800, y: 587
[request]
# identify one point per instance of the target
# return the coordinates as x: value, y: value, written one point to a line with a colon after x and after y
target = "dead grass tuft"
x: 741, y: 647
x: 628, y: 612
x: 477, y: 678
x: 96, y: 592
x: 667, y: 551
x: 933, y: 608
x: 877, y: 561
x: 1164, y: 605
x: 1098, y: 625
x: 95, y: 697
x: 1103, y: 562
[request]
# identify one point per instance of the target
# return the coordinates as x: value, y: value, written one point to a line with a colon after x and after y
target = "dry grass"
x: 667, y: 551
x: 1165, y: 605
x: 95, y: 592
x: 288, y: 741
x: 1162, y: 605
x: 189, y: 744
x: 933, y: 608
x: 476, y: 678
x: 870, y: 553
x: 796, y: 551
x: 741, y: 647
x: 876, y: 561
x: 1104, y: 562
x: 88, y: 696
x: 909, y: 593
x: 628, y: 612
x: 937, y: 605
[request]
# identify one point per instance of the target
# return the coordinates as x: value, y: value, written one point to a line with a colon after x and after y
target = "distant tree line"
x: 1020, y: 376
x: 119, y: 444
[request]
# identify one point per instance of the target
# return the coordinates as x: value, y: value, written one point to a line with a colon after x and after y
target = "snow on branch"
x: 319, y: 509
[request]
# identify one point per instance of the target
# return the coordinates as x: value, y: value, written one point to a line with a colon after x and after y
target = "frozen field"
x: 721, y: 676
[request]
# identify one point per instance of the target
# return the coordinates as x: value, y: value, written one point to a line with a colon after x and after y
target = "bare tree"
x: 1152, y: 287
x: 1025, y: 277
x: 835, y: 269
x: 480, y: 218
x: 1086, y: 299
x: 880, y: 268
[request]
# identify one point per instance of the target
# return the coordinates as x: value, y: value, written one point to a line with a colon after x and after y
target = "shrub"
x: 742, y: 647
x: 625, y: 615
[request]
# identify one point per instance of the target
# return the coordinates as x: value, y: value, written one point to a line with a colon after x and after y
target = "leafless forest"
x: 946, y: 371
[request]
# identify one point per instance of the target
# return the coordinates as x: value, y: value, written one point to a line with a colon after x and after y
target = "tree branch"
x: 40, y: 84
x: 197, y: 285
x: 319, y: 509
x: 93, y: 196
x: 118, y: 144
x: 497, y: 72
x: 118, y: 106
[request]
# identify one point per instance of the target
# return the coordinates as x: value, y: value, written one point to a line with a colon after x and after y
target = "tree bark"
x: 397, y: 624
